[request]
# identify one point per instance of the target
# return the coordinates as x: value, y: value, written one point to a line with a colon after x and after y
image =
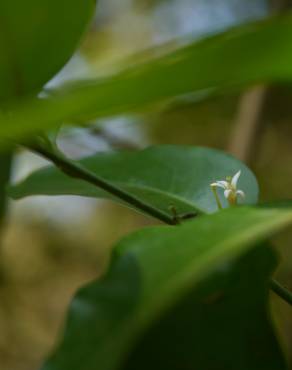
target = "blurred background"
x: 54, y: 245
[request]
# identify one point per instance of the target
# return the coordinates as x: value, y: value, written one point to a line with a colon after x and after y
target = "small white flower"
x: 229, y: 185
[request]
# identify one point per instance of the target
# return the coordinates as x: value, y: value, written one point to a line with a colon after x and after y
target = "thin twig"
x: 214, y: 190
x: 76, y: 170
x: 281, y: 291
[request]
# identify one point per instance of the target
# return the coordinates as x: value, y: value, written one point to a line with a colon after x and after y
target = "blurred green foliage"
x: 43, y: 265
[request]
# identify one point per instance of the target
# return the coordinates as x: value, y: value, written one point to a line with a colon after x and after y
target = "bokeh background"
x: 52, y: 246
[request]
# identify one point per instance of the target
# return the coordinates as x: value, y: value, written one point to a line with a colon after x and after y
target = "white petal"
x: 222, y: 184
x: 235, y: 179
x: 216, y: 185
x: 241, y: 193
x: 227, y: 193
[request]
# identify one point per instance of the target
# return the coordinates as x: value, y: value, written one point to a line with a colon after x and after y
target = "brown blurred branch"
x: 248, y: 123
x: 280, y: 5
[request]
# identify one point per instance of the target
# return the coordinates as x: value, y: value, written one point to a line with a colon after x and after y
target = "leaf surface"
x: 36, y: 39
x: 153, y: 270
x: 161, y: 176
x: 222, y: 323
x: 254, y: 53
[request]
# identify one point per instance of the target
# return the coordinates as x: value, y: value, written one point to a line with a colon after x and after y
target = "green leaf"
x: 259, y: 52
x: 223, y: 323
x: 154, y: 269
x: 36, y: 39
x: 162, y: 176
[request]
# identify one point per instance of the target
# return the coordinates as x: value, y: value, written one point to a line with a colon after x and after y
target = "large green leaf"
x: 223, y: 323
x: 155, y: 268
x: 162, y: 176
x: 250, y: 54
x: 37, y: 37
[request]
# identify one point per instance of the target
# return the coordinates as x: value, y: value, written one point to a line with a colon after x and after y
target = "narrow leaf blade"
x: 259, y: 52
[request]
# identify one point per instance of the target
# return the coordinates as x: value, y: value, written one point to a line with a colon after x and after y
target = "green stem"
x: 219, y: 205
x: 74, y: 169
x: 281, y: 291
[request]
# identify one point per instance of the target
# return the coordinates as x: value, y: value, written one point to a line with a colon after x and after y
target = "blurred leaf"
x: 223, y: 323
x: 283, y: 203
x: 36, y: 39
x: 162, y: 176
x: 154, y: 269
x: 259, y: 52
